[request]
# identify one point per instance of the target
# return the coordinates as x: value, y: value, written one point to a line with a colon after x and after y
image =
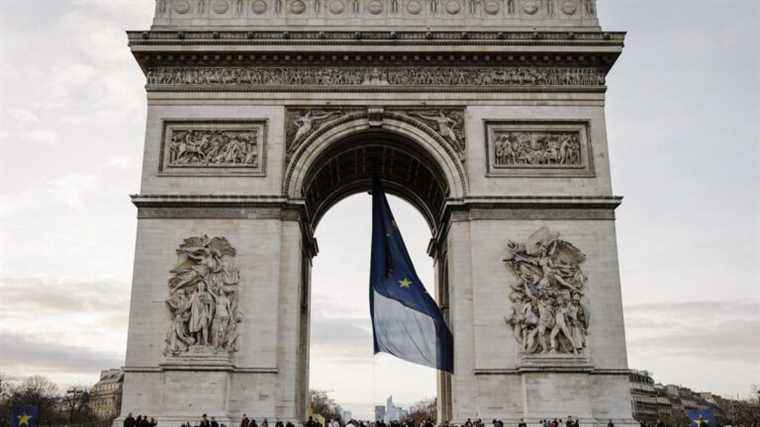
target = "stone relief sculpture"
x: 213, y: 148
x: 203, y: 299
x: 448, y: 124
x: 306, y: 123
x: 487, y: 77
x: 445, y: 124
x: 548, y: 313
x: 520, y: 149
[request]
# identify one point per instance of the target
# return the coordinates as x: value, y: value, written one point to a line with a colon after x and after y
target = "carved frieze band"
x: 545, y: 149
x: 213, y: 148
x: 169, y: 11
x: 372, y: 78
x: 445, y: 124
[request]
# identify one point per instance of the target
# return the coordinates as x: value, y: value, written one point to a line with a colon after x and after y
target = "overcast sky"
x: 683, y: 133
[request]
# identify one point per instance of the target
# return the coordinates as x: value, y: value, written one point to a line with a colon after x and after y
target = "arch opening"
x: 347, y: 167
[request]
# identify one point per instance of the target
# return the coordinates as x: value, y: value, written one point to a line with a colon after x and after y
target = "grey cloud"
x: 57, y: 296
x: 26, y: 355
x: 719, y: 331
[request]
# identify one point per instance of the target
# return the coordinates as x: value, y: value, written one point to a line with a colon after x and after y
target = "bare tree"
x: 324, y: 405
x: 423, y: 410
x: 75, y: 402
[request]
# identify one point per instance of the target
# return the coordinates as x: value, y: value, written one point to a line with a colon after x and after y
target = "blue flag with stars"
x: 24, y: 416
x: 406, y: 321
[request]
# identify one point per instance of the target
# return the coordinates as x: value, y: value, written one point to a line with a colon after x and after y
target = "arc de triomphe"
x: 486, y: 115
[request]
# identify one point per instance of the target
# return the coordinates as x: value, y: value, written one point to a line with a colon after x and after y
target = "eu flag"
x: 24, y: 416
x: 406, y: 322
x: 702, y: 418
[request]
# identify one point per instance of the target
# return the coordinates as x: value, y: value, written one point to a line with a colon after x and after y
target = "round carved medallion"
x: 491, y: 7
x: 337, y: 7
x: 182, y: 7
x: 375, y: 7
x: 297, y: 7
x: 530, y: 6
x: 414, y: 7
x: 569, y: 7
x: 221, y: 6
x: 259, y: 7
x: 453, y: 7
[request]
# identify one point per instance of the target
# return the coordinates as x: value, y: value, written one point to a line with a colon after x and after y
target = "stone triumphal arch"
x: 486, y: 115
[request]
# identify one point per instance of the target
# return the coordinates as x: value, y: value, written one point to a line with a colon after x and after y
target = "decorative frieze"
x: 224, y: 148
x: 549, y: 315
x: 548, y: 149
x: 203, y: 300
x: 417, y: 78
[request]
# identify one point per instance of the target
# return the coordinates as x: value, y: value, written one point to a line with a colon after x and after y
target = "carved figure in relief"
x: 395, y: 76
x: 445, y: 124
x: 550, y: 7
x: 548, y: 315
x: 305, y: 124
x: 201, y: 7
x: 239, y: 8
x: 394, y: 6
x: 203, y: 298
x: 511, y: 7
x: 433, y: 7
x: 356, y: 6
x: 213, y: 148
x: 537, y: 149
x: 160, y: 7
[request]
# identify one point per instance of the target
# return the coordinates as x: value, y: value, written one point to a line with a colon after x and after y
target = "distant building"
x: 379, y: 413
x: 393, y: 412
x: 644, y: 397
x: 671, y: 403
x: 105, y: 396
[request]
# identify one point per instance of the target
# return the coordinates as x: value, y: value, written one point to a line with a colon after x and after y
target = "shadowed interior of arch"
x: 348, y: 167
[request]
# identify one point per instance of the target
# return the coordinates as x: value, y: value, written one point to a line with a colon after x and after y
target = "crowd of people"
x: 139, y: 421
x: 205, y: 421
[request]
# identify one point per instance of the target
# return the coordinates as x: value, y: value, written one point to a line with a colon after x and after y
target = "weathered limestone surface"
x: 335, y: 90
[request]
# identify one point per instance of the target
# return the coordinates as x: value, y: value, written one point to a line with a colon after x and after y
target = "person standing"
x: 204, y: 421
x: 279, y: 423
x: 610, y: 424
x: 522, y: 423
x: 129, y: 421
x: 214, y: 423
x: 245, y: 421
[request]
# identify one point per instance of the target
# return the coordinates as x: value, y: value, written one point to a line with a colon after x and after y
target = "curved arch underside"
x: 405, y: 169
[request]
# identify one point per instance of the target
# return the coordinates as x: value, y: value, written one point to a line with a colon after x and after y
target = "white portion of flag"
x: 404, y: 332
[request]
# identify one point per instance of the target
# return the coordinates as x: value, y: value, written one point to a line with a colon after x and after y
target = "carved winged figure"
x: 445, y: 124
x: 305, y: 123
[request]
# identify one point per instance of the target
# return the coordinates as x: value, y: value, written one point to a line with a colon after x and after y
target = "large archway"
x: 343, y: 163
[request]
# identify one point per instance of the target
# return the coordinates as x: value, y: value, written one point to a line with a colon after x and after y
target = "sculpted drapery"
x: 548, y: 313
x: 203, y: 298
